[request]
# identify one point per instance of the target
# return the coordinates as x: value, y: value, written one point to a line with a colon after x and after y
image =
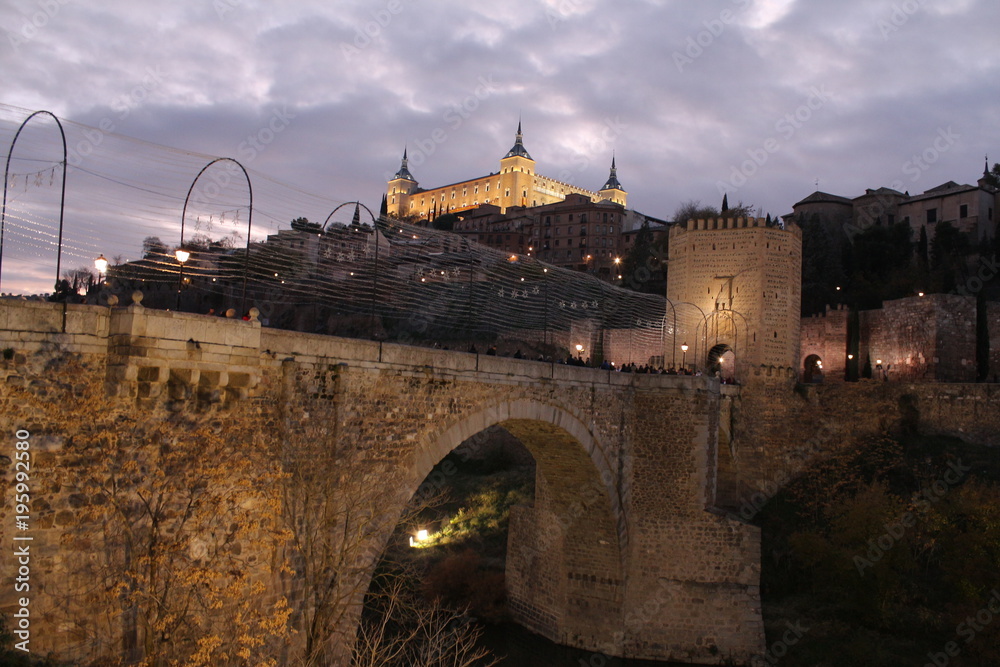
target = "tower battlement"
x: 712, y: 224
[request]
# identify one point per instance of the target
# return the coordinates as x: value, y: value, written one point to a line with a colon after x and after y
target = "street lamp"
x: 182, y: 256
x: 101, y: 264
x: 684, y: 353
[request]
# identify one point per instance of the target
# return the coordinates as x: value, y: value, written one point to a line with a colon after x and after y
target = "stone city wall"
x: 826, y: 337
x: 922, y: 339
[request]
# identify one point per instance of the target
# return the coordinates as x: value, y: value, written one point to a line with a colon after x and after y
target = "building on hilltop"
x: 972, y: 209
x: 512, y: 232
x: 576, y: 233
x: 579, y: 233
x: 519, y: 211
x: 515, y: 184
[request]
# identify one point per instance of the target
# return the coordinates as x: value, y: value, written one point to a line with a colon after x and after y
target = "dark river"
x: 520, y: 648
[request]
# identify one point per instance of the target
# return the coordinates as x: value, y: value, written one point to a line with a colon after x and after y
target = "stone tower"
x: 517, y: 170
x: 745, y: 277
x: 613, y: 190
x: 401, y: 186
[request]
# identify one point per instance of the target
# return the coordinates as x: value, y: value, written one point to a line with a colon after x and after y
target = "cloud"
x: 364, y: 79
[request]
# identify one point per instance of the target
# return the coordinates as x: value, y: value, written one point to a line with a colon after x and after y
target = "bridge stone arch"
x: 531, y: 421
x: 565, y: 563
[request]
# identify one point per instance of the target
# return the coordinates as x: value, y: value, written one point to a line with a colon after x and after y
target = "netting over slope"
x: 403, y: 283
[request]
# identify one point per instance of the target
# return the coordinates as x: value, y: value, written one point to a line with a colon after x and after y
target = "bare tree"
x: 405, y: 630
x: 337, y: 534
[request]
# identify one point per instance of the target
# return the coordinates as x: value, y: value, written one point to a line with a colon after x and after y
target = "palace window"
x: 931, y: 216
x: 963, y: 211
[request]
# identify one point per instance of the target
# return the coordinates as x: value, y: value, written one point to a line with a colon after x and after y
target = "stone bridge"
x: 634, y: 545
x: 620, y: 552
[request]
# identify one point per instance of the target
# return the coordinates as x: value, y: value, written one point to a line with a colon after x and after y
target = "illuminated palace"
x: 515, y: 185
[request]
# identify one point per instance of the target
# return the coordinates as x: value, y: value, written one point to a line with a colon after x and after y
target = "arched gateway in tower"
x: 744, y: 275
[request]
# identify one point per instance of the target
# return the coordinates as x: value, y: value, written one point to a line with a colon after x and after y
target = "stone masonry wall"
x: 924, y: 339
x: 826, y: 336
x: 929, y: 338
x: 993, y: 327
x: 781, y: 429
x: 626, y: 463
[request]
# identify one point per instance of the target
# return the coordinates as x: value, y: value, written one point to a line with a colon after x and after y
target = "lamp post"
x: 101, y: 264
x: 357, y: 217
x: 62, y: 200
x: 182, y: 256
x: 684, y: 355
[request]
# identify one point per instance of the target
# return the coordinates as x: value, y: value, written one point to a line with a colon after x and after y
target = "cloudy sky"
x: 760, y: 98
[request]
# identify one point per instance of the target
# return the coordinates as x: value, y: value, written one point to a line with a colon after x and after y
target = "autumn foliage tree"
x: 186, y: 521
x: 176, y: 530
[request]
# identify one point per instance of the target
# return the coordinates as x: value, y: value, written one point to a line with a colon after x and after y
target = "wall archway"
x: 812, y: 369
x: 721, y: 359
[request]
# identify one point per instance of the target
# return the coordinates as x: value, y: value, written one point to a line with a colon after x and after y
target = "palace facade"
x: 516, y: 184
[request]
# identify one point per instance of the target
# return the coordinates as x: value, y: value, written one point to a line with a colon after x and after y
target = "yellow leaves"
x: 190, y: 528
x: 203, y: 656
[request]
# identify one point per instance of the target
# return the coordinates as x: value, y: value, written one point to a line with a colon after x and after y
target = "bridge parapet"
x: 146, y: 353
x: 153, y: 353
x: 33, y: 326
